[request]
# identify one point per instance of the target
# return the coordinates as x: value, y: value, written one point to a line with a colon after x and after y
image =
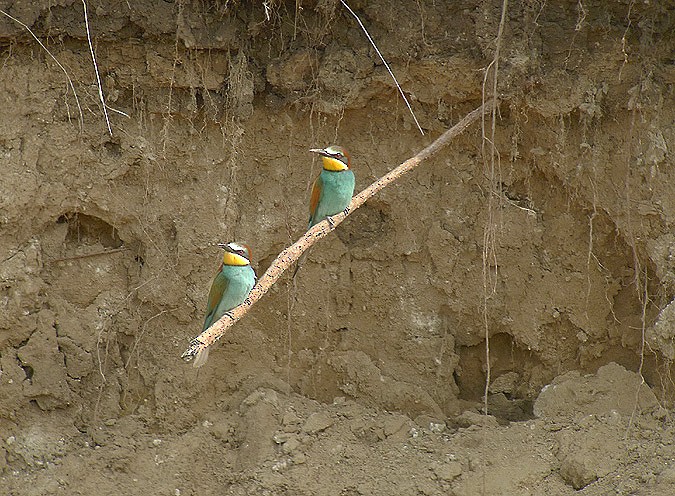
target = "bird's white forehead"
x: 236, y: 247
x: 333, y: 150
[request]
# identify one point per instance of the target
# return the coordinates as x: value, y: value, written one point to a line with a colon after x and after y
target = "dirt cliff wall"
x: 563, y: 249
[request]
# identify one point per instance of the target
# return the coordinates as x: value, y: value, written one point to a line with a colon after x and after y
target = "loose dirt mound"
x: 366, y: 375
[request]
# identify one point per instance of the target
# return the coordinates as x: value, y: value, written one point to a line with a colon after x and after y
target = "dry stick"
x: 88, y: 255
x: 287, y: 257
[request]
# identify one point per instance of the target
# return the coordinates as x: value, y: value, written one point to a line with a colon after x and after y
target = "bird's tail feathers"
x: 201, y: 358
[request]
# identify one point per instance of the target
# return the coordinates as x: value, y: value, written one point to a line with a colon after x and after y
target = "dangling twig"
x: 287, y: 257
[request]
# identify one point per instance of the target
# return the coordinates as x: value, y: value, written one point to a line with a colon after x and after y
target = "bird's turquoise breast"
x: 337, y: 191
x: 240, y: 281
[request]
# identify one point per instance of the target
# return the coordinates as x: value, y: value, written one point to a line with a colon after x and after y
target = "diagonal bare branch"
x: 287, y: 257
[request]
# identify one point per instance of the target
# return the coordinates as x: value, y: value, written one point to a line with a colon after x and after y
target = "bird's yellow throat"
x: 332, y: 164
x: 234, y: 259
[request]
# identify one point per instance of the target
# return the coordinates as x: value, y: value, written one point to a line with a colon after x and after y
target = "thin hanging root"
x: 98, y: 76
x: 391, y: 73
x: 70, y: 81
x: 287, y: 257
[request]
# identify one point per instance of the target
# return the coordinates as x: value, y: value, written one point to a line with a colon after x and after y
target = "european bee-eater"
x: 332, y: 190
x: 230, y: 287
x: 334, y: 187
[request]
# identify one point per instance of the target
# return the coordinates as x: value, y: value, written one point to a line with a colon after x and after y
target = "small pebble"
x: 317, y: 422
x: 448, y: 471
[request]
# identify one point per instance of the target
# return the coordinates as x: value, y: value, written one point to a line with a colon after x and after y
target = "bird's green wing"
x: 314, y: 200
x: 218, y: 289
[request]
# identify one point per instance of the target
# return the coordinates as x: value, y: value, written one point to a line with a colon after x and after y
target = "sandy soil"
x: 367, y: 375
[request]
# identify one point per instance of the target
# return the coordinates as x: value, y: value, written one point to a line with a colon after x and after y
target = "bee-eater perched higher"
x: 332, y: 190
x: 334, y: 187
x: 230, y: 287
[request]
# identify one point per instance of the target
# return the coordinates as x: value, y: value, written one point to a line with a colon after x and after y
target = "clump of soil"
x: 366, y: 375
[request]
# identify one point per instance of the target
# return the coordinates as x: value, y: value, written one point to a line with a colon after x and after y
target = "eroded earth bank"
x: 366, y: 376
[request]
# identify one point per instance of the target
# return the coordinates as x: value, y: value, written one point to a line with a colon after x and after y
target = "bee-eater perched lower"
x: 334, y: 187
x: 230, y: 287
